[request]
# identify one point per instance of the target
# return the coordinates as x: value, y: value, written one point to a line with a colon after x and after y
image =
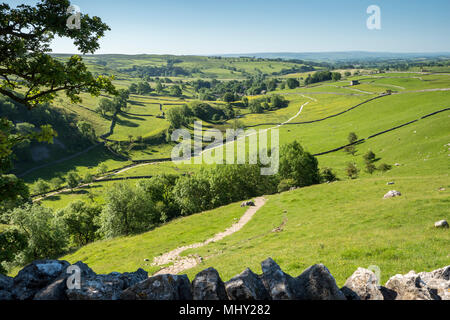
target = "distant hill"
x: 340, y: 56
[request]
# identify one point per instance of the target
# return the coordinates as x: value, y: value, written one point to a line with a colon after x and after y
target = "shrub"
x: 369, y: 157
x: 44, y: 232
x: 12, y: 242
x: 352, y: 137
x: 80, y: 221
x: 299, y: 165
x: 286, y: 185
x: 352, y: 170
x: 350, y: 150
x: 384, y: 167
x: 292, y: 83
x: 327, y: 175
x: 41, y: 187
x: 73, y: 179
x: 370, y: 167
x: 56, y: 182
x: 127, y: 211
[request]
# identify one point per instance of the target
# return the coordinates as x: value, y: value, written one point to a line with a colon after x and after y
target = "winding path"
x: 183, y: 263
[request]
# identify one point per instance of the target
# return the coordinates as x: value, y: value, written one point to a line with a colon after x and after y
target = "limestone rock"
x: 105, y: 287
x: 246, y: 286
x: 362, y: 285
x: 441, y: 224
x: 160, y: 287
x: 36, y: 276
x: 392, y: 194
x: 207, y: 285
x: 411, y: 287
x: 247, y: 204
x: 317, y: 283
x: 280, y: 285
x: 438, y: 280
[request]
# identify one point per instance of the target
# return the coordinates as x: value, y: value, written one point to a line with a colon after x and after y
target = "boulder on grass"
x: 441, y: 224
x: 392, y: 194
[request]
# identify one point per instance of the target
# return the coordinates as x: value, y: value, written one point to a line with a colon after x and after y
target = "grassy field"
x: 345, y: 224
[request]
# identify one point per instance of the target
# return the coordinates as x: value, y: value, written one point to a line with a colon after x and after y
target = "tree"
x: 384, y: 167
x: 102, y: 169
x: 41, y: 187
x: 327, y: 175
x: 80, y: 221
x: 120, y: 101
x: 352, y: 137
x: 176, y: 91
x: 286, y: 185
x: 229, y: 97
x: 127, y: 211
x: 352, y: 170
x: 160, y: 191
x: 56, y: 182
x: 105, y: 106
x: 299, y: 165
x: 133, y: 88
x: 143, y: 88
x: 73, y: 180
x: 44, y: 232
x: 87, y: 130
x: 159, y: 87
x: 13, y: 193
x: 350, y: 149
x: 369, y: 157
x: 292, y: 83
x: 370, y: 167
x: 178, y: 117
x: 25, y: 36
x: 88, y: 178
x: 12, y: 242
x: 336, y: 76
x: 9, y: 139
x: 245, y: 101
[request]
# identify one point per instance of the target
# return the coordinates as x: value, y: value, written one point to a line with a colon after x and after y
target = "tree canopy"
x: 25, y: 63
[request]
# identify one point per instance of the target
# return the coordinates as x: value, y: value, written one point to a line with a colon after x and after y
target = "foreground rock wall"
x: 56, y: 280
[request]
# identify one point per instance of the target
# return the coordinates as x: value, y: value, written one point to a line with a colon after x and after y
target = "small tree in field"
x: 384, y: 167
x: 327, y: 175
x: 298, y: 165
x: 80, y: 222
x: 350, y: 150
x: 73, y: 180
x: 41, y: 187
x: 352, y: 137
x: 102, y: 169
x: 352, y: 170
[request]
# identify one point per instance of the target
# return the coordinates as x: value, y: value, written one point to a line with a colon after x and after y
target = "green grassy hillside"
x: 345, y: 224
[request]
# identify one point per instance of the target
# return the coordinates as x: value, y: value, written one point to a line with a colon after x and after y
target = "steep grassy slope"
x: 344, y: 225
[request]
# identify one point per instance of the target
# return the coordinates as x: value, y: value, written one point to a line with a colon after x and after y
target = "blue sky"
x: 249, y: 26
